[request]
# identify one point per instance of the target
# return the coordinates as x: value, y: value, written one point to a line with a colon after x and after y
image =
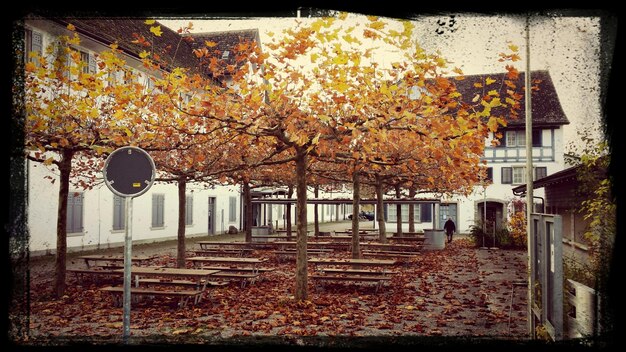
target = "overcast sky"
x: 568, y: 47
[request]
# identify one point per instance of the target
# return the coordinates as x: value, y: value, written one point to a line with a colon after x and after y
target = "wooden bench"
x: 243, y: 277
x: 238, y: 269
x: 291, y: 252
x: 389, y: 254
x: 223, y: 251
x: 184, y: 295
x: 95, y: 274
x: 186, y: 283
x: 379, y: 279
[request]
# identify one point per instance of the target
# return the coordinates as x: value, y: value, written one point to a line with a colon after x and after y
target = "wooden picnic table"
x: 159, y: 276
x: 408, y: 234
x: 352, y: 262
x: 326, y: 270
x: 118, y: 259
x: 199, y: 276
x: 252, y: 263
x: 389, y: 246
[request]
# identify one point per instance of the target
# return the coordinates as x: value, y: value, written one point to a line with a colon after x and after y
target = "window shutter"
x: 541, y: 172
x: 70, y: 212
x: 78, y: 213
x: 161, y: 210
x: 155, y: 210
x: 537, y: 138
x: 119, y: 215
x: 507, y: 175
x: 426, y: 213
x: 189, y: 210
x: 36, y: 42
x: 92, y: 63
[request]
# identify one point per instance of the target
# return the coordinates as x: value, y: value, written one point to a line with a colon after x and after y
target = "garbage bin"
x: 434, y: 239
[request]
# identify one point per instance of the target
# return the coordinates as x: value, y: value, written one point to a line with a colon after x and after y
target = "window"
x: 225, y: 54
x: 158, y: 205
x: 519, y: 175
x: 426, y: 212
x: 232, y: 209
x: 422, y: 212
x: 489, y: 174
x: 33, y: 42
x: 516, y: 138
x: 507, y: 177
x: 189, y: 210
x: 537, y: 140
x: 541, y: 172
x: 75, y: 212
x: 84, y: 59
x: 119, y: 213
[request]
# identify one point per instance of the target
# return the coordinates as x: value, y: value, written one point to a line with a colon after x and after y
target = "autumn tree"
x: 73, y: 117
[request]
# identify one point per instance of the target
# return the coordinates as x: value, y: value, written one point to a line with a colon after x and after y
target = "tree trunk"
x: 247, y: 198
x: 182, y: 201
x: 288, y: 212
x: 301, y: 293
x: 412, y: 210
x: 316, y: 215
x: 356, y: 201
x: 65, y: 167
x: 380, y: 216
x: 398, y: 211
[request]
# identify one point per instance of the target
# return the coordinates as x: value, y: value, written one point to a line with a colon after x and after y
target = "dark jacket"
x: 449, y: 226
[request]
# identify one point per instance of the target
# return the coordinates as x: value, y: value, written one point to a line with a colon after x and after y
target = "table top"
x: 224, y: 243
x: 388, y: 245
x: 228, y: 259
x: 115, y: 257
x: 139, y: 270
x: 349, y: 261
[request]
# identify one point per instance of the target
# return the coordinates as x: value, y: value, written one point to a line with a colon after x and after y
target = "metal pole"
x: 529, y: 176
x: 484, y: 214
x: 127, y: 263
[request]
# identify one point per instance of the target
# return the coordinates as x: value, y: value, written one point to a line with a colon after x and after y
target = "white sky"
x: 568, y: 47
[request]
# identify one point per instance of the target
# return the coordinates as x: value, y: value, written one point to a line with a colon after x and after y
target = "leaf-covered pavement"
x: 460, y: 291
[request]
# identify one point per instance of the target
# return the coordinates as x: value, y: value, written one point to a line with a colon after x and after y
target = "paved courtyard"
x: 460, y: 291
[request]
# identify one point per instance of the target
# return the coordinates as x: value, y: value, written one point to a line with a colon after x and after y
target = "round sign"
x: 129, y: 172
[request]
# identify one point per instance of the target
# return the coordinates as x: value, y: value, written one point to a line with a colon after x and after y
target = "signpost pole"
x: 128, y: 172
x: 128, y: 245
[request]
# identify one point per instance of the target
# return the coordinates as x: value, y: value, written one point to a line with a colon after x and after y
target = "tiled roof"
x: 176, y: 52
x: 224, y: 41
x: 546, y: 107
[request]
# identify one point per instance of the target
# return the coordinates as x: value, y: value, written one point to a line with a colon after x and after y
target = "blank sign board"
x: 129, y: 172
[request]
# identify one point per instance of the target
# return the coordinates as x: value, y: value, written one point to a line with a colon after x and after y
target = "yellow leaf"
x: 71, y: 27
x: 409, y: 307
x: 149, y: 22
x: 514, y: 48
x: 478, y: 85
x: 489, y: 80
x: 209, y: 44
x: 30, y: 67
x: 492, y: 92
x: 113, y: 46
x: 144, y: 54
x: 314, y: 57
x: 156, y: 30
x: 341, y: 87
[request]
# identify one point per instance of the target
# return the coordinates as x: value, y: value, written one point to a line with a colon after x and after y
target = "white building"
x: 96, y: 217
x: 506, y: 162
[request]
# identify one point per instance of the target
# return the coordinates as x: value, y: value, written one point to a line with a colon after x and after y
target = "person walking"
x: 450, y: 227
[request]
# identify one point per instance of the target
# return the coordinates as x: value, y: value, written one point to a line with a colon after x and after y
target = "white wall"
x: 98, y: 230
